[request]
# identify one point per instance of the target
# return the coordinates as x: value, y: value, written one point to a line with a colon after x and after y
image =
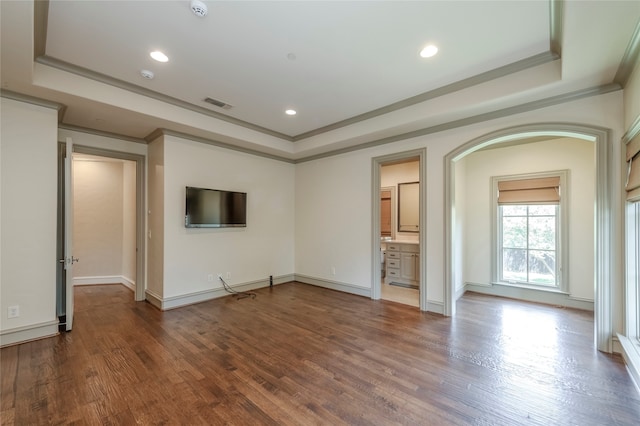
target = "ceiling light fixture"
x: 199, y: 8
x: 429, y: 51
x: 291, y: 112
x: 159, y: 56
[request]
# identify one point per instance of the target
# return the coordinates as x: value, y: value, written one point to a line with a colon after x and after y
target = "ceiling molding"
x: 166, y: 132
x: 40, y: 23
x: 514, y: 67
x: 630, y: 59
x: 102, y: 133
x: 31, y: 100
x: 504, y: 112
x: 556, y: 18
x: 556, y: 8
x: 102, y: 78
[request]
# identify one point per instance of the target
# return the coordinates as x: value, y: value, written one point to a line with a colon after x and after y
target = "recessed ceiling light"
x: 159, y: 56
x: 291, y: 112
x: 429, y: 51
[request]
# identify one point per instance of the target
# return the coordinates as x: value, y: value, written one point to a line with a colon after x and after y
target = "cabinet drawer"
x: 393, y: 263
x: 393, y: 273
x: 393, y: 255
x: 393, y: 247
x: 410, y: 248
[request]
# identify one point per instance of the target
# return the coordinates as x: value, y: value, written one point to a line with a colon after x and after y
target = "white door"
x: 68, y: 230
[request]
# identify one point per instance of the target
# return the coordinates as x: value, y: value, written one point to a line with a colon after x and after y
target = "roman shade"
x: 633, y: 169
x: 529, y: 191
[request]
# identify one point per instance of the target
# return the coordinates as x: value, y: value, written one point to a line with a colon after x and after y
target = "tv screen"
x: 212, y: 208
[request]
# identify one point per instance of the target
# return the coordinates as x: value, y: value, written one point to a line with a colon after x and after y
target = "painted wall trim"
x: 166, y: 132
x: 179, y: 301
x: 603, y: 227
x: 492, y: 115
x: 28, y: 333
x: 531, y: 295
x: 111, y: 81
x: 100, y: 133
x: 628, y: 62
x: 631, y: 355
x: 333, y: 285
x: 512, y: 68
x: 105, y: 279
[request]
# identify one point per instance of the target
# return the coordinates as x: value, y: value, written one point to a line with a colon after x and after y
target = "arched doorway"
x: 602, y: 225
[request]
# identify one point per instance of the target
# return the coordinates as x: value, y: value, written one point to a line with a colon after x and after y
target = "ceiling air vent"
x: 218, y: 103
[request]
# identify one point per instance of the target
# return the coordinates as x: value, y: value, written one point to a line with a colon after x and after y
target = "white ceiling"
x: 356, y: 76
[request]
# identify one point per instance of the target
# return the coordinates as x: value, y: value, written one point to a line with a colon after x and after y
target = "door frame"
x: 603, y: 322
x: 141, y: 225
x: 376, y: 273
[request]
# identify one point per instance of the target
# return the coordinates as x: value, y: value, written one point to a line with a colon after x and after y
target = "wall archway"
x: 603, y: 228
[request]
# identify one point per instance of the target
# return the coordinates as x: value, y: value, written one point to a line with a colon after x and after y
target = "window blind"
x: 633, y: 169
x: 529, y: 191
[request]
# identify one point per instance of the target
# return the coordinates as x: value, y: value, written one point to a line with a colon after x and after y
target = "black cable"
x: 239, y: 294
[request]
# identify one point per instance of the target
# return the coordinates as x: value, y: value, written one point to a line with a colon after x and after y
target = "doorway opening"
x: 399, y: 188
x: 110, y: 222
x: 454, y: 270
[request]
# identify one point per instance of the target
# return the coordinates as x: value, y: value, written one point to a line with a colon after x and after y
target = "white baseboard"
x: 531, y: 295
x: 435, y: 307
x: 106, y: 279
x: 631, y: 355
x: 28, y: 333
x: 174, y: 302
x: 334, y: 285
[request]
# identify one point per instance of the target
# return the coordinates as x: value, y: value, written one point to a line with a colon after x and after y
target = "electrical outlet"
x: 333, y: 270
x: 13, y: 311
x: 210, y: 277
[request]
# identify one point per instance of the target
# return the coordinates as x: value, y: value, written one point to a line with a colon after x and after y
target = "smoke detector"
x: 146, y: 74
x: 199, y: 8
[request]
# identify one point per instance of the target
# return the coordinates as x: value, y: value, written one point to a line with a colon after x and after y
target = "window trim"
x: 562, y: 240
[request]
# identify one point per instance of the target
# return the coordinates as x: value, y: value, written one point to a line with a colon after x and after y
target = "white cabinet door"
x: 408, y: 262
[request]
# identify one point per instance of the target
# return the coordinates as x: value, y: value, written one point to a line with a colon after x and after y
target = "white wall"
x: 29, y: 200
x: 577, y: 156
x: 97, y: 218
x: 129, y: 222
x: 265, y: 247
x: 460, y: 227
x: 155, y: 218
x: 104, y: 233
x: 333, y: 196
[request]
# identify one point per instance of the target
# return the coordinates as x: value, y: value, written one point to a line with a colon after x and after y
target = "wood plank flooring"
x: 302, y: 355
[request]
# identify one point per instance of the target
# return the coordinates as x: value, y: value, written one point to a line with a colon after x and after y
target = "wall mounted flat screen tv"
x: 213, y: 208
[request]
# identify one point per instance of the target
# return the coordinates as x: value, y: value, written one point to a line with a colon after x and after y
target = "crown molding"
x: 556, y: 16
x: 102, y: 133
x: 492, y: 115
x: 514, y: 67
x: 103, y: 78
x: 630, y: 60
x: 167, y: 132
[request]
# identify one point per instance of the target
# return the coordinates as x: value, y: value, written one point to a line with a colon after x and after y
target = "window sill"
x: 532, y: 287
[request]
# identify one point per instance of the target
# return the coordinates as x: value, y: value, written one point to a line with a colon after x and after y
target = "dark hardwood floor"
x: 303, y: 355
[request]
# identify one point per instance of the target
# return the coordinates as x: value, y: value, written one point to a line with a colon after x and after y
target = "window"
x: 529, y: 244
x: 528, y: 237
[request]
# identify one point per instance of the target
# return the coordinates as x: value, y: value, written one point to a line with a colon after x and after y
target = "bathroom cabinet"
x: 403, y: 264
